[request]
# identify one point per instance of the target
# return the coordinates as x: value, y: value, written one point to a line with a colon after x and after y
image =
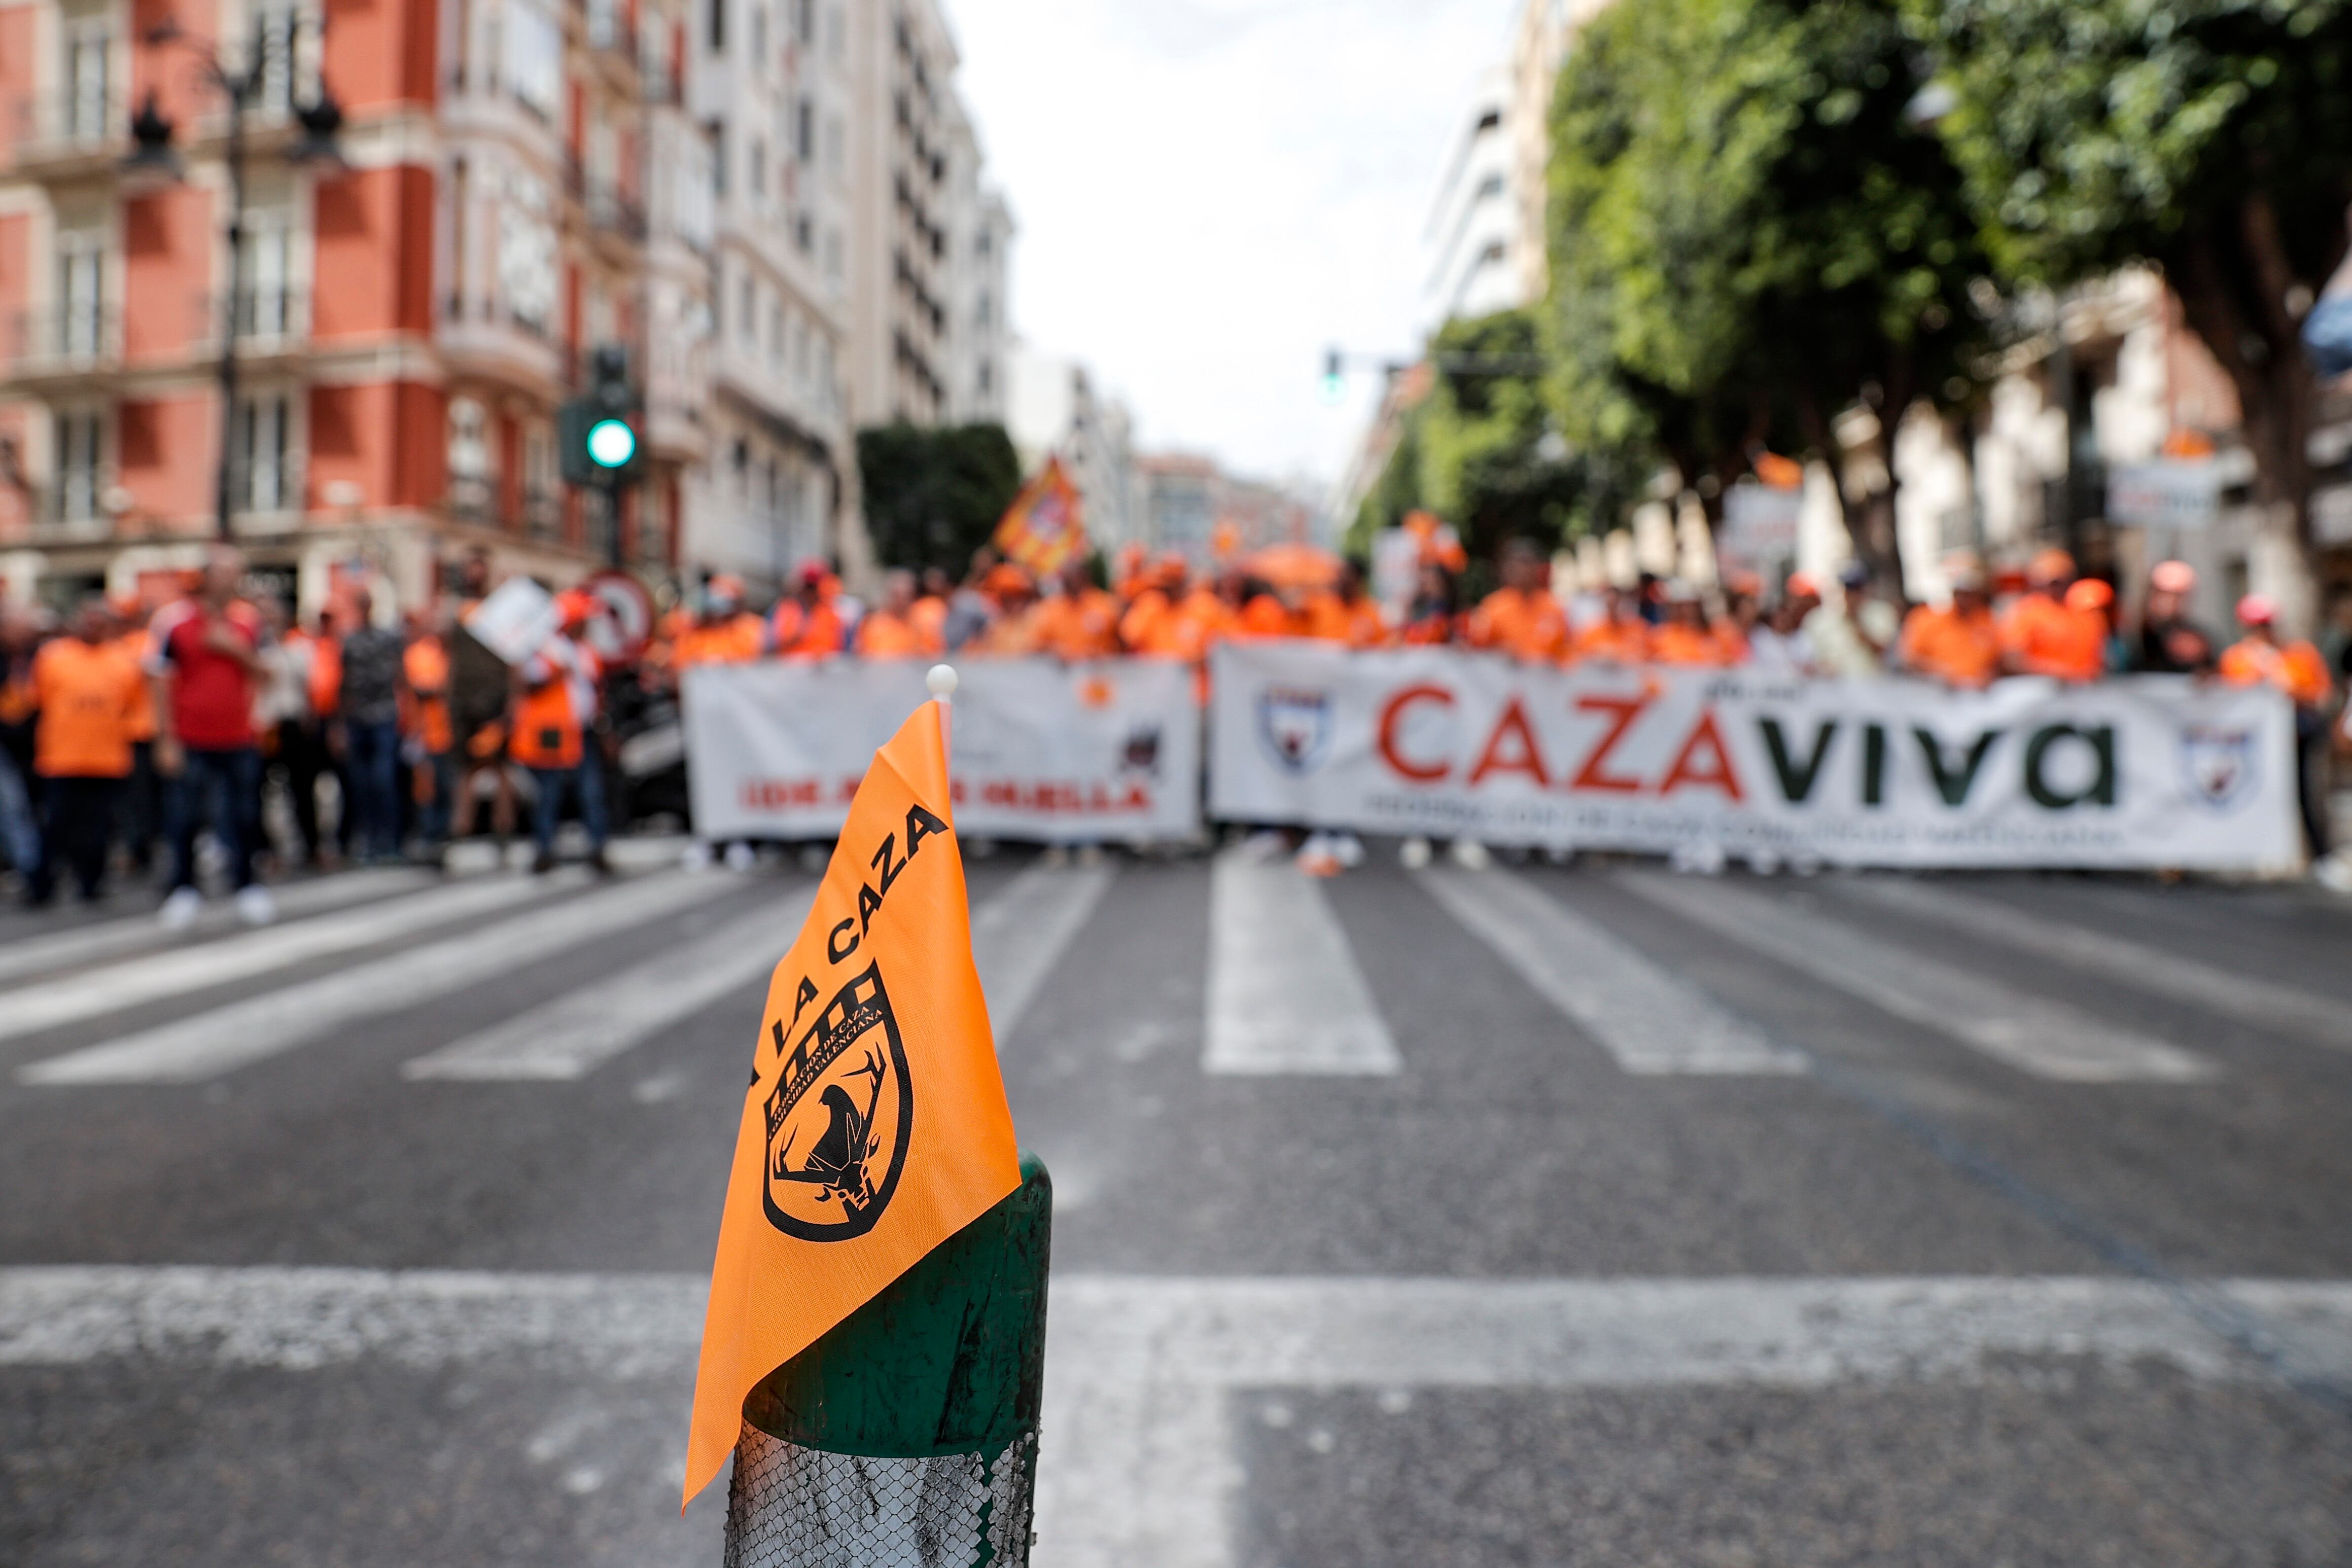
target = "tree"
x: 2213, y: 138
x: 1750, y: 235
x: 933, y: 496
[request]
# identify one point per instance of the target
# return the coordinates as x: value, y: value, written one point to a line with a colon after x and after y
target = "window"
x: 80, y: 436
x: 984, y: 243
x: 983, y: 311
x: 756, y: 170
x: 804, y: 235
x: 526, y: 252
x: 759, y: 40
x: 264, y: 306
x: 261, y: 479
x: 834, y: 145
x: 277, y: 26
x: 987, y: 378
x: 532, y: 63
x: 775, y: 334
x: 805, y: 130
x: 86, y: 115
x: 747, y: 320
x: 804, y: 22
x: 715, y: 25
x: 80, y: 298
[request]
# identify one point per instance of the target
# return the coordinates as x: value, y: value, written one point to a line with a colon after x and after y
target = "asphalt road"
x: 1533, y: 1215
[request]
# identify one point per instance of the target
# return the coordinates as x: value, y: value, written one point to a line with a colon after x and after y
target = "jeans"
x: 20, y: 841
x: 303, y: 755
x: 216, y: 787
x: 139, y: 808
x: 588, y: 780
x: 77, y: 829
x: 433, y: 816
x: 371, y: 769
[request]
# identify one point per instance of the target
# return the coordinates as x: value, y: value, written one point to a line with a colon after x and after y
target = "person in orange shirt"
x: 426, y: 720
x: 1743, y: 614
x: 1263, y: 614
x: 1522, y: 618
x: 929, y: 614
x: 2094, y: 600
x: 722, y: 632
x: 553, y: 708
x: 2294, y: 667
x: 1958, y: 643
x: 88, y: 691
x: 1017, y: 630
x: 1433, y: 618
x: 808, y: 625
x: 1683, y: 638
x: 1619, y: 637
x: 1346, y: 614
x: 139, y: 810
x: 1081, y: 622
x: 2040, y: 637
x: 1144, y: 626
x: 888, y: 630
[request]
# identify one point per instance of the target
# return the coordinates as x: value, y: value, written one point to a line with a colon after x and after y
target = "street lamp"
x: 152, y: 158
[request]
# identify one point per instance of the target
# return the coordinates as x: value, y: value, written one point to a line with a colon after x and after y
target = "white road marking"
x: 579, y: 1032
x: 1137, y: 1466
x: 1651, y: 1020
x: 1284, y: 991
x: 2032, y: 1034
x: 1018, y: 934
x: 2264, y: 1003
x: 191, y: 1050
x: 111, y: 938
x: 157, y: 976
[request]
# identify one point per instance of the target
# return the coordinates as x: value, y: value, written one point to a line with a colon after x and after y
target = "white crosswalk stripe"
x: 1019, y: 933
x: 1285, y: 994
x: 94, y: 944
x: 576, y: 1033
x: 158, y: 976
x: 1651, y: 1021
x: 241, y: 1034
x: 2263, y: 1002
x: 2044, y: 1037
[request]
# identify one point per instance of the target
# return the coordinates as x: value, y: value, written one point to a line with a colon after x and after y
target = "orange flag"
x: 876, y: 1126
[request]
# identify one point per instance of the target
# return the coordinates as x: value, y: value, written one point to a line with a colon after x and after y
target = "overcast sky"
x: 1211, y: 192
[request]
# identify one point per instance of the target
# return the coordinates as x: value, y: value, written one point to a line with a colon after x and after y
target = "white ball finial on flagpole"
x: 942, y: 681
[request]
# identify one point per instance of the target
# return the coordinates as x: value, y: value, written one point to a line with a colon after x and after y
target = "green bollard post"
x: 907, y: 1434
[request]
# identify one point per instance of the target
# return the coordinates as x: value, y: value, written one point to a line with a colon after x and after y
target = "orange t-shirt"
x: 1331, y: 618
x: 1614, y: 642
x: 929, y: 619
x: 88, y: 693
x: 427, y: 666
x: 810, y: 632
x: 883, y: 635
x: 2295, y: 668
x: 1525, y: 624
x: 734, y: 640
x: 1950, y: 646
x: 2047, y: 638
x: 1693, y: 647
x: 1078, y: 626
x: 326, y: 674
x: 1266, y: 616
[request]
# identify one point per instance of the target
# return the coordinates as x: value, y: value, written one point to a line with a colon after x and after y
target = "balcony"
x: 70, y: 135
x: 61, y: 350
x: 272, y: 323
x: 613, y: 216
x: 542, y: 515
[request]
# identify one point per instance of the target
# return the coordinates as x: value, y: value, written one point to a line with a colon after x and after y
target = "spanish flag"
x: 1045, y: 525
x: 876, y: 1127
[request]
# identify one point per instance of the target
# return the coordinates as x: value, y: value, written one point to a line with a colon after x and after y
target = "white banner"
x: 1038, y: 749
x: 2143, y: 772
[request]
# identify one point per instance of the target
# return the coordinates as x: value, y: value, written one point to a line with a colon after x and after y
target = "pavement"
x: 1536, y: 1215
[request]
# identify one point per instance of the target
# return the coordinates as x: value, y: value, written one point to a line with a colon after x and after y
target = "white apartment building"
x: 1468, y: 243
x: 1051, y: 409
x: 771, y: 80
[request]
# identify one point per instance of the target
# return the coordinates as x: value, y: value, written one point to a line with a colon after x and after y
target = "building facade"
x: 1468, y: 246
x: 1053, y: 410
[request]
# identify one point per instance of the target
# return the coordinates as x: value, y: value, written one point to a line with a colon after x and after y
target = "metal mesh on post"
x: 792, y: 1507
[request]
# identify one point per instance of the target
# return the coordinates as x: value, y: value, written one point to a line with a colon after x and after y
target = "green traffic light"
x: 611, y: 443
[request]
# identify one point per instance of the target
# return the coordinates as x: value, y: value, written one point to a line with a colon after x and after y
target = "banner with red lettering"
x: 1104, y: 752
x: 2140, y: 771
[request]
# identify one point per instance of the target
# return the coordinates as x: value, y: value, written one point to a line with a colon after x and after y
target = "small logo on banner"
x: 1295, y: 725
x: 2219, y: 765
x: 839, y: 1118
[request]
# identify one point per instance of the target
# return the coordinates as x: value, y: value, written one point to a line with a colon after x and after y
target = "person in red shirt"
x: 90, y: 690
x: 203, y: 660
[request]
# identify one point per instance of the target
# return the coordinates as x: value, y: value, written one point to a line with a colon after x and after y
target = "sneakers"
x: 695, y: 856
x: 255, y: 906
x: 1471, y: 855
x: 1413, y: 853
x: 742, y: 857
x: 180, y: 908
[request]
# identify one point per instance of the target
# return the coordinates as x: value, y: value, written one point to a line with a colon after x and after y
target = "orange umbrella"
x: 1292, y: 566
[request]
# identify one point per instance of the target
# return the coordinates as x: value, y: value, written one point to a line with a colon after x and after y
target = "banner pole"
x: 943, y: 681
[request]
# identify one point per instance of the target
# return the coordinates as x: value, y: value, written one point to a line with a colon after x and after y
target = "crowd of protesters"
x: 128, y: 730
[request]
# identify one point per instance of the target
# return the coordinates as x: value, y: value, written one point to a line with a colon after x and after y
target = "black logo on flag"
x: 839, y: 1118
x: 1295, y: 725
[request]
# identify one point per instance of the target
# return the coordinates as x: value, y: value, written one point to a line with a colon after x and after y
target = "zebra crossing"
x: 1286, y: 995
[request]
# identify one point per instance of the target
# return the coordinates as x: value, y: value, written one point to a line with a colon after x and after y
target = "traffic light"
x: 1335, y: 376
x: 598, y: 433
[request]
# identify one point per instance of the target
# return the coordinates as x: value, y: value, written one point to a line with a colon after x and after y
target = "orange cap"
x: 2090, y: 593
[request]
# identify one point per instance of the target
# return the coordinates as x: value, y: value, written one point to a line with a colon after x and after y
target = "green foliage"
x: 1747, y: 233
x: 934, y: 495
x: 1473, y: 450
